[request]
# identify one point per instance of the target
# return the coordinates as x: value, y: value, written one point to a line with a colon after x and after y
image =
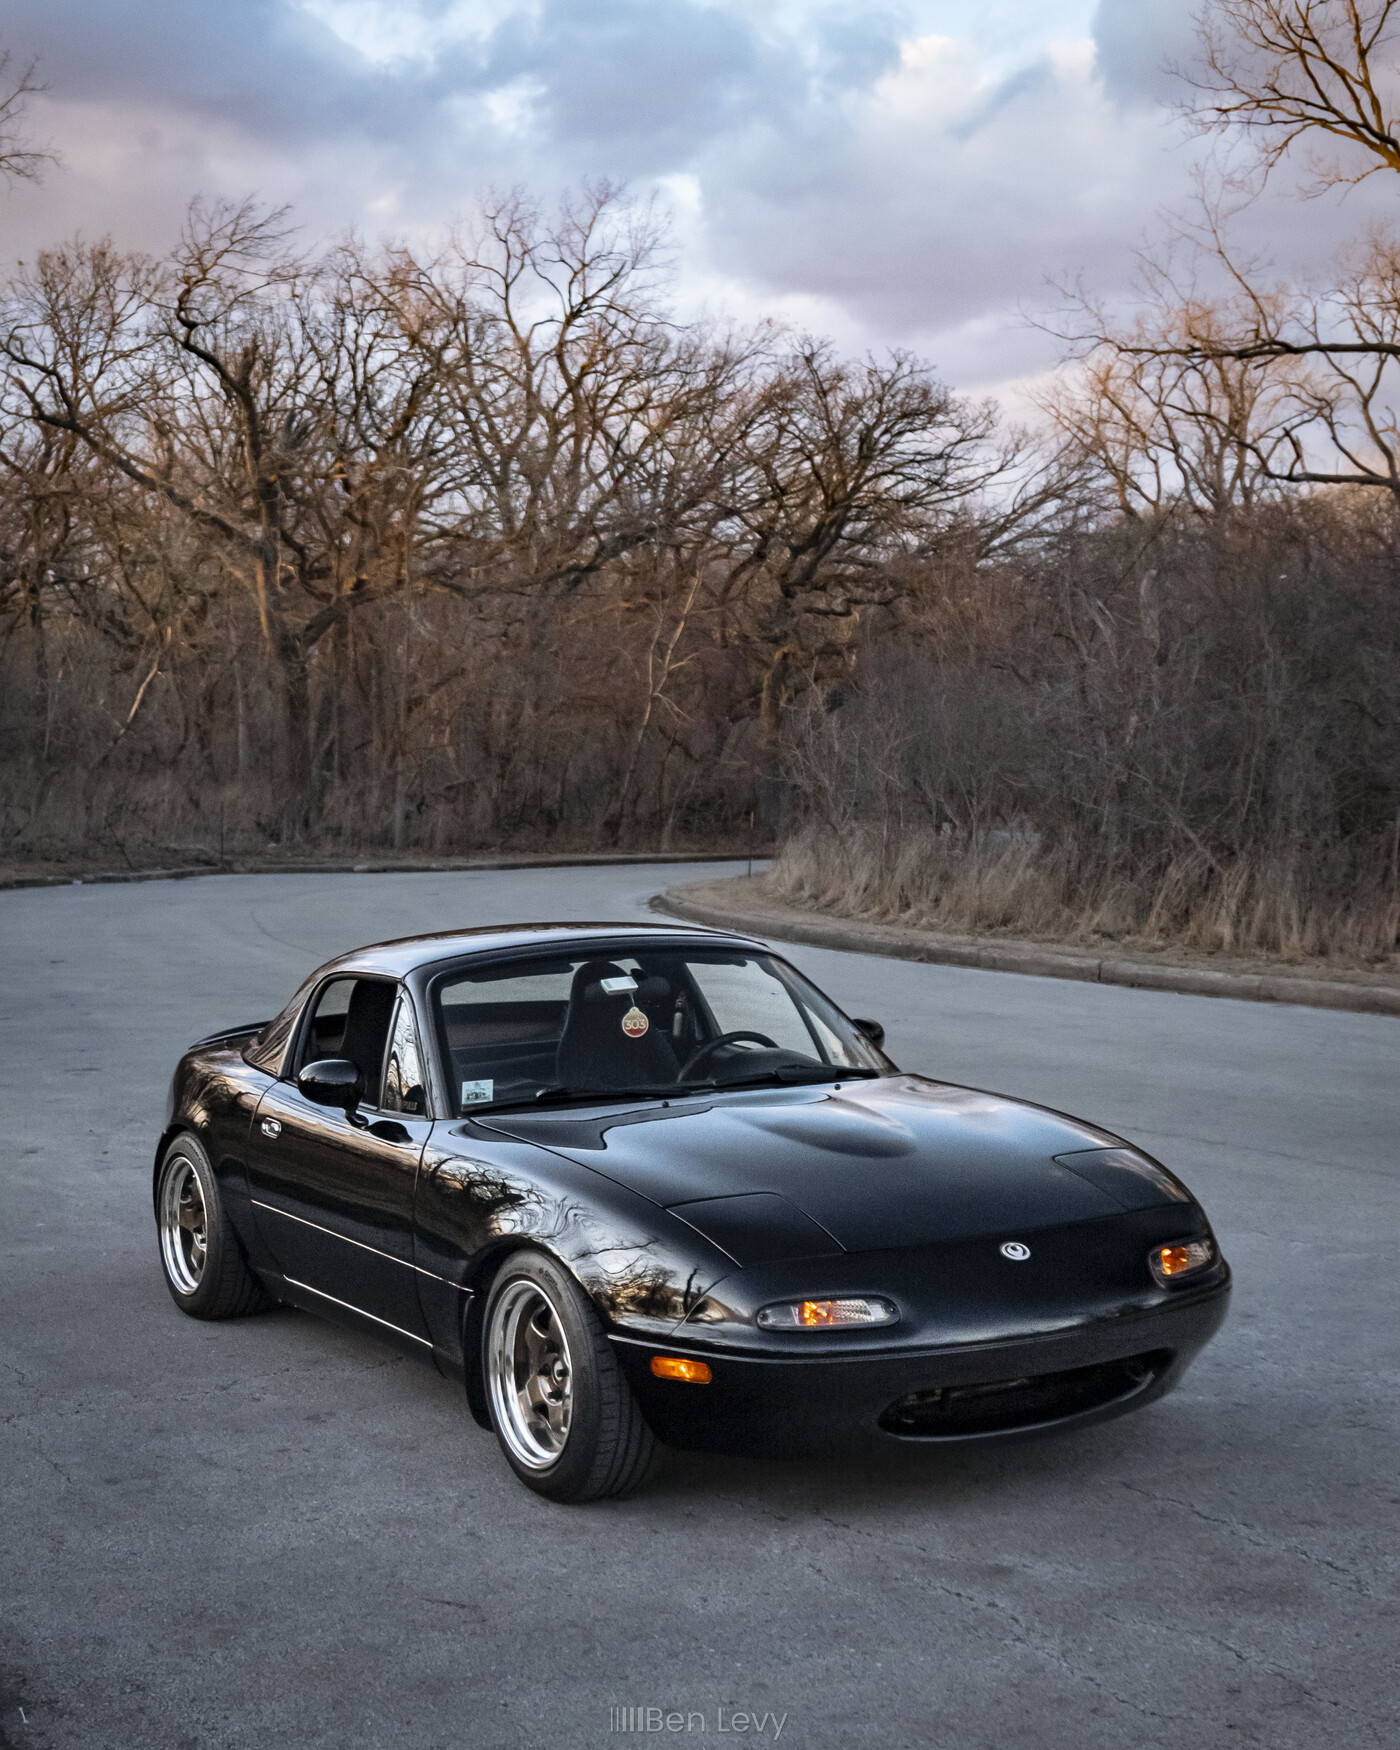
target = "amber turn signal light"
x: 821, y: 1315
x: 677, y: 1367
x: 1171, y: 1263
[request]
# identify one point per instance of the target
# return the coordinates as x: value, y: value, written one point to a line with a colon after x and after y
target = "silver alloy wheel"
x: 184, y: 1226
x: 530, y: 1373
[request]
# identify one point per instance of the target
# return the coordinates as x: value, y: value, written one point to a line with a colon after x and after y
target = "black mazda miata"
x: 637, y: 1183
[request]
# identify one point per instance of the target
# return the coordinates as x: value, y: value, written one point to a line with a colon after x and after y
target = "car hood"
x: 895, y: 1162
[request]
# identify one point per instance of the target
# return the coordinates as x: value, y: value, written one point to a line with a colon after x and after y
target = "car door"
x: 334, y: 1198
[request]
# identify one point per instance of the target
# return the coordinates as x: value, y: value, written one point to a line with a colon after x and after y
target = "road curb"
x: 445, y: 866
x: 1038, y: 962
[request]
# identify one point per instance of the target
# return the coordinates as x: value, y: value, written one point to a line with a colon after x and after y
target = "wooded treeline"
x: 431, y: 552
x: 373, y: 548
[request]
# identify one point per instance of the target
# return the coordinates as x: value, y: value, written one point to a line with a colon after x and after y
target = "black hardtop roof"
x: 407, y: 954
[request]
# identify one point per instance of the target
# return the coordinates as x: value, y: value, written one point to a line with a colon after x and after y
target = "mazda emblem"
x: 1017, y: 1252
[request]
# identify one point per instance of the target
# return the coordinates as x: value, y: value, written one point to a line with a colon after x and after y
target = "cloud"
x: 945, y: 200
x: 268, y: 93
x: 263, y: 66
x: 153, y: 101
x: 634, y: 84
x: 1139, y: 44
x: 903, y: 175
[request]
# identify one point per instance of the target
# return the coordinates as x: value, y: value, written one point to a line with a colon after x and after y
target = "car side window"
x: 404, y: 1087
x: 326, y: 1032
x: 350, y: 1019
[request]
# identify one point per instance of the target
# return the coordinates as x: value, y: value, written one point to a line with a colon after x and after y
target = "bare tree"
x: 261, y: 399
x: 1320, y: 74
x: 1168, y: 414
x: 848, y: 468
x: 20, y: 160
x: 437, y: 549
x: 1300, y: 381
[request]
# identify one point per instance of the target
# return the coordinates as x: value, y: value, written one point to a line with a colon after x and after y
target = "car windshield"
x: 637, y: 1021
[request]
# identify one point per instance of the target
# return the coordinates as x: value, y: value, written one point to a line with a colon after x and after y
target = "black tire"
x: 203, y: 1266
x: 588, y: 1441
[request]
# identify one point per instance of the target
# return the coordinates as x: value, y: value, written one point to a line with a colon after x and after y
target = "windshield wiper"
x: 794, y: 1075
x: 546, y: 1095
x: 556, y: 1095
x: 790, y: 1075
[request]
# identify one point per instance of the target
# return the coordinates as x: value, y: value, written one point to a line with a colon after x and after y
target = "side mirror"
x: 334, y: 1081
x: 872, y: 1030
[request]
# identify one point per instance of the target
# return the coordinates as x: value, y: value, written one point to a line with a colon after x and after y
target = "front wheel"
x: 204, y: 1268
x: 565, y: 1417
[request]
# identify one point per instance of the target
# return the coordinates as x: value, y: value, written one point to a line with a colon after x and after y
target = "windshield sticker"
x: 473, y: 1093
x: 613, y: 986
x: 634, y: 1023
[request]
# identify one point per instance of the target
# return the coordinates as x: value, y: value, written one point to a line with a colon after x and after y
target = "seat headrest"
x: 588, y: 983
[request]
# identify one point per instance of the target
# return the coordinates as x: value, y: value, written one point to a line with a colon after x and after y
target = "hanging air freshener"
x: 634, y: 1023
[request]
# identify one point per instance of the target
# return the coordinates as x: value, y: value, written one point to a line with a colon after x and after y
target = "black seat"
x: 595, y: 1050
x: 367, y: 1030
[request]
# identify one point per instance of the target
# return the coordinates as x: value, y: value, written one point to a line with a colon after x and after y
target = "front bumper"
x: 782, y: 1406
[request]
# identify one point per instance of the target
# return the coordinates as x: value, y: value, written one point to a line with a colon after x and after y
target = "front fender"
x: 480, y: 1196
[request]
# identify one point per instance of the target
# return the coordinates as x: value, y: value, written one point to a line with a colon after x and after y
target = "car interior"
x: 631, y: 1021
x: 625, y: 1022
x: 352, y: 1020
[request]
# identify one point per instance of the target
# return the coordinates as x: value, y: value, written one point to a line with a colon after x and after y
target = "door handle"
x: 390, y: 1130
x: 271, y: 1127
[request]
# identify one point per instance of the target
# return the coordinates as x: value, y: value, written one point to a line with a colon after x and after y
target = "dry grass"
x: 1280, y: 906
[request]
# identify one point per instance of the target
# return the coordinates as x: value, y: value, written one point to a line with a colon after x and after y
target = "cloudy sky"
x: 888, y: 173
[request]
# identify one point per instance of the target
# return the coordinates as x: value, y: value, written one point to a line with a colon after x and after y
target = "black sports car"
x: 646, y: 1182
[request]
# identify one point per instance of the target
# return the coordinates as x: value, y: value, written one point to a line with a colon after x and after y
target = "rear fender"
x: 214, y: 1095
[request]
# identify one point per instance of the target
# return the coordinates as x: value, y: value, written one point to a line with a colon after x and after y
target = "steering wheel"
x: 713, y: 1045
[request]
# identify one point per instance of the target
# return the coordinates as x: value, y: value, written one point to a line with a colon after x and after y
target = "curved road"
x: 273, y: 1533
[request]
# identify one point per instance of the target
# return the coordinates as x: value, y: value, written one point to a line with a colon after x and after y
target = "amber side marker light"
x: 677, y: 1367
x: 822, y: 1315
x: 1171, y: 1263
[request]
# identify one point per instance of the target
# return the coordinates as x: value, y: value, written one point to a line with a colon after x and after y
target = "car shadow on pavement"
x: 917, y: 1476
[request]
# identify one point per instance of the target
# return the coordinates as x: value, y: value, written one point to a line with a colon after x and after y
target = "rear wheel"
x: 565, y: 1417
x: 204, y: 1268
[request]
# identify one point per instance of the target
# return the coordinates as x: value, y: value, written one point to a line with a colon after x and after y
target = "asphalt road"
x: 272, y: 1533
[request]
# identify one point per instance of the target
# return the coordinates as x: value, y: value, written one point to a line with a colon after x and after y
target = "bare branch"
x: 1316, y: 74
x: 20, y: 161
